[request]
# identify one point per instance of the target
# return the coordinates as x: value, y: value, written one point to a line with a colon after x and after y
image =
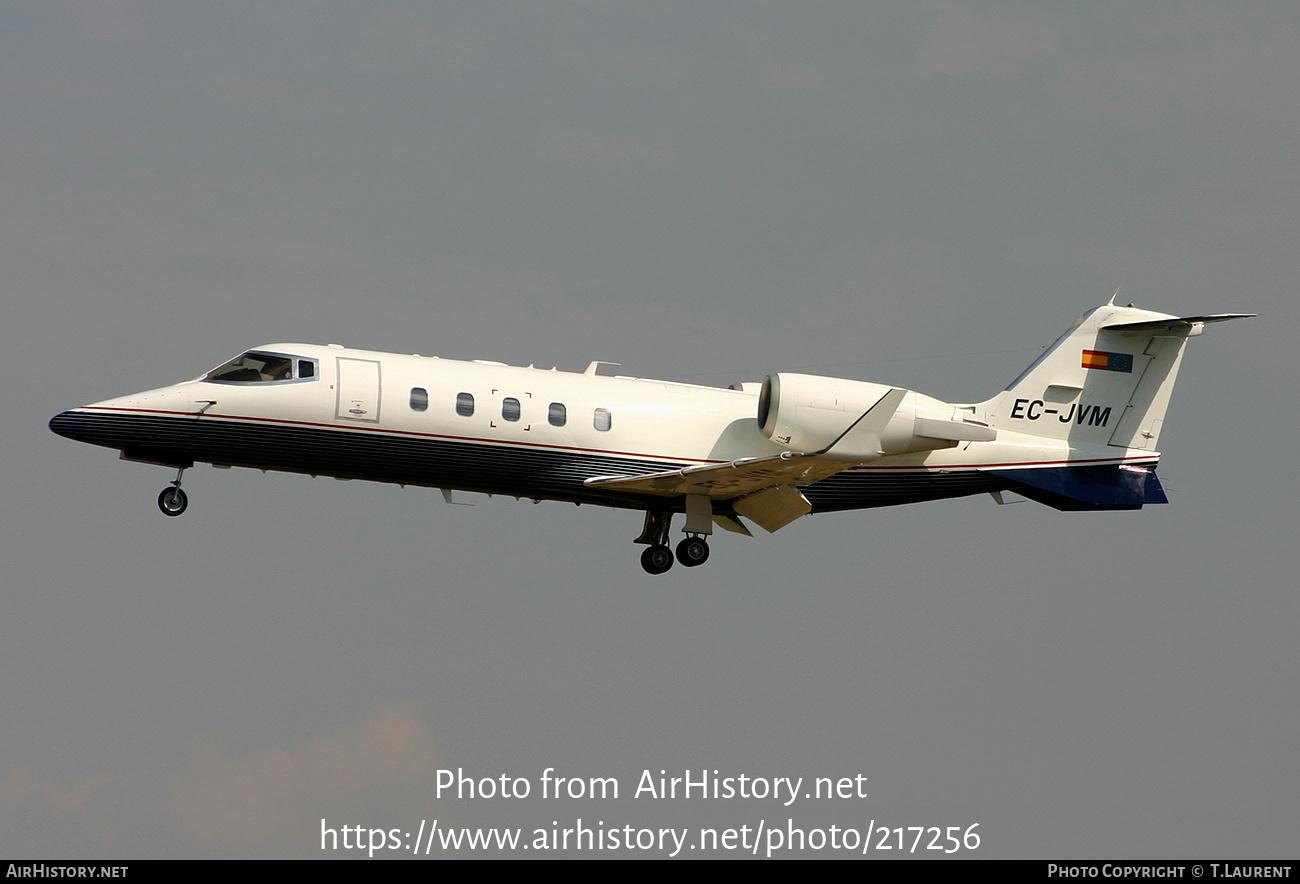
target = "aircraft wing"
x: 762, y: 488
x: 728, y: 480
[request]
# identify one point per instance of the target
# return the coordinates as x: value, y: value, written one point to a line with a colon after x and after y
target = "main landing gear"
x: 173, y: 501
x: 657, y: 559
x: 658, y: 556
x: 692, y: 551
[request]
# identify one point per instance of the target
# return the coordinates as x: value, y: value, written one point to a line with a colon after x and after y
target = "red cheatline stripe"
x: 1143, y: 458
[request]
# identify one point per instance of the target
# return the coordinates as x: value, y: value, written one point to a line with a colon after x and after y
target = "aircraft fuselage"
x: 1076, y: 430
x: 530, y: 433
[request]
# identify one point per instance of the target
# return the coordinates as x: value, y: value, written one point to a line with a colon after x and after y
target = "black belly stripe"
x: 520, y: 471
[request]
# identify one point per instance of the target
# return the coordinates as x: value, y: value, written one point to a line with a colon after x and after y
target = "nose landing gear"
x: 172, y: 500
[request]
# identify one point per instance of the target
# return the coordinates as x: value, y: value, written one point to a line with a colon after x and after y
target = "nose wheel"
x: 172, y: 500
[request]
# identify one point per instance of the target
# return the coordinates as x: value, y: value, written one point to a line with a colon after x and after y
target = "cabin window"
x: 602, y: 419
x: 465, y: 404
x: 556, y: 415
x: 510, y: 408
x: 255, y: 367
x: 419, y: 399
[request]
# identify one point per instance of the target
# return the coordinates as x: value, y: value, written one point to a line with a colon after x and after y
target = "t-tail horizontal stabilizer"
x: 1174, y: 322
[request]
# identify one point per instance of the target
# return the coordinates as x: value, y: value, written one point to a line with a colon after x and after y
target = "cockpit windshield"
x: 263, y: 368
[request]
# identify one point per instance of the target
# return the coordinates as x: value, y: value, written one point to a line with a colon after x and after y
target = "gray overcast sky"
x: 922, y: 194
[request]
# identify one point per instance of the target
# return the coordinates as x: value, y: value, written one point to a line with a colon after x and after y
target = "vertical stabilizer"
x: 1106, y: 381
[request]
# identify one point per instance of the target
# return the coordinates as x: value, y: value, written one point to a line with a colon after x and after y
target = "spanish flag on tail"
x: 1107, y: 361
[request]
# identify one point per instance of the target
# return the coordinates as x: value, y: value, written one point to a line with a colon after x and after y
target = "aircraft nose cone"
x: 65, y: 424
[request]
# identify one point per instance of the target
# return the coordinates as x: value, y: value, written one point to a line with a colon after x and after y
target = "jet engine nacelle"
x: 803, y: 412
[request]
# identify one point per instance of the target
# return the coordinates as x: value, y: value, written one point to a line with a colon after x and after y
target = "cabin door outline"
x: 358, y: 390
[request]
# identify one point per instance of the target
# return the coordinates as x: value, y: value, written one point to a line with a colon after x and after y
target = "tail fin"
x: 1106, y: 381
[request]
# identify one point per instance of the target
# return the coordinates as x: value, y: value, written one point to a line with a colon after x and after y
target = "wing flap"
x: 773, y: 508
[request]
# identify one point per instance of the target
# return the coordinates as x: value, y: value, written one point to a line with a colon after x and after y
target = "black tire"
x: 657, y: 559
x: 693, y: 551
x: 173, y: 501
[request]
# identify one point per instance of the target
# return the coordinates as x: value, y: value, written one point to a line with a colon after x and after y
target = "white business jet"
x: 1077, y: 430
